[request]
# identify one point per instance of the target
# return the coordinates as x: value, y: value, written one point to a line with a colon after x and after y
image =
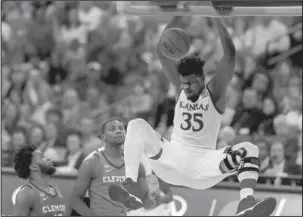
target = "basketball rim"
x: 210, y: 8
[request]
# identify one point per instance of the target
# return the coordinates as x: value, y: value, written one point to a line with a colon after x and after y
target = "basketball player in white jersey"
x: 191, y: 159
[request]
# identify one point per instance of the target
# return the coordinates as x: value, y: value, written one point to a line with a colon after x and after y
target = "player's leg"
x: 140, y: 139
x: 244, y: 157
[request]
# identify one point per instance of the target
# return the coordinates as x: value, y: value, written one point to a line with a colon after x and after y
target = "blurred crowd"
x: 67, y: 66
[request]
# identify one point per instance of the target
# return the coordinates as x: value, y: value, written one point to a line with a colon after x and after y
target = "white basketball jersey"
x: 196, y: 124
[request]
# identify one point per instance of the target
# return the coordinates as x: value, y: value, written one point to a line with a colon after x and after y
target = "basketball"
x: 175, y: 43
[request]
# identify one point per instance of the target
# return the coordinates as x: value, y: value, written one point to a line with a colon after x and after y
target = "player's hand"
x: 223, y: 10
x: 163, y: 199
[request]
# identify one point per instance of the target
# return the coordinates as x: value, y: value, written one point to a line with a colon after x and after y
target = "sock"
x: 248, y: 176
x: 245, y: 192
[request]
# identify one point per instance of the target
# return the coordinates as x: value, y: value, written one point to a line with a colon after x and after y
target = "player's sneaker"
x: 124, y: 194
x: 249, y: 206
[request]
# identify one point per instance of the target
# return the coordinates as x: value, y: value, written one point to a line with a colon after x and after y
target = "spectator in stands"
x: 55, y: 147
x: 245, y: 121
x: 71, y: 108
x: 89, y: 15
x: 141, y: 101
x: 41, y: 34
x: 25, y: 113
x: 280, y: 125
x: 10, y: 145
x: 75, y: 58
x: 278, y: 165
x: 261, y: 82
x: 263, y: 154
x: 36, y: 137
x: 54, y: 116
x: 286, y: 133
x: 17, y: 81
x: 96, y: 101
x: 227, y: 136
x: 57, y: 71
x: 51, y: 136
x: 89, y: 140
x: 264, y: 30
x: 10, y: 116
x: 74, y: 154
x: 72, y: 28
x: 19, y: 138
x: 269, y: 111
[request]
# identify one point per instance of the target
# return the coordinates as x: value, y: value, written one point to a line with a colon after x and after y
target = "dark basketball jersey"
x: 48, y: 205
x: 98, y: 191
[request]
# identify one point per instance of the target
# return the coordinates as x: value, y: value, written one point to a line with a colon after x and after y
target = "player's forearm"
x: 226, y: 40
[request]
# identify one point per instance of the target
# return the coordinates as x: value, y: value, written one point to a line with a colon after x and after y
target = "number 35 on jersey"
x: 192, y: 121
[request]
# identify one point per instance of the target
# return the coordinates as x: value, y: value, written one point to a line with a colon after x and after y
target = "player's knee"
x: 136, y: 124
x: 251, y: 149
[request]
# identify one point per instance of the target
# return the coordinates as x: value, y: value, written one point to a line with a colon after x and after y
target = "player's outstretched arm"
x: 218, y: 85
x: 170, y: 66
x: 81, y: 186
x: 25, y: 201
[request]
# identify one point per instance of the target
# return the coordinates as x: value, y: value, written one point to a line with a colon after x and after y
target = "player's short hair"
x: 109, y: 120
x: 191, y: 65
x: 22, y: 161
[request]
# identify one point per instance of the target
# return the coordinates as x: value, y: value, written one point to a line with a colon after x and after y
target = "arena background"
x: 71, y: 65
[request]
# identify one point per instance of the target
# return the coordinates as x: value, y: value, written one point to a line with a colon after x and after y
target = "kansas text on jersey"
x: 196, y: 124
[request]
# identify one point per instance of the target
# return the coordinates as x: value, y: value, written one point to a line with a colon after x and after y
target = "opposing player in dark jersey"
x: 98, y: 171
x: 37, y: 197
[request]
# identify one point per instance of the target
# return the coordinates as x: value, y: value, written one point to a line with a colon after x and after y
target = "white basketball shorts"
x: 195, y: 168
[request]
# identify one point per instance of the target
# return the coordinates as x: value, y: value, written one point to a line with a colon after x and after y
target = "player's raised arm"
x: 25, y: 200
x: 82, y: 183
x: 218, y: 85
x: 170, y: 66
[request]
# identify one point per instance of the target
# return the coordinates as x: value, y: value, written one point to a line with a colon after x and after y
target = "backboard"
x: 211, y: 8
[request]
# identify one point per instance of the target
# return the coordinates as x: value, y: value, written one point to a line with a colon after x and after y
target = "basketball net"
x: 210, y: 8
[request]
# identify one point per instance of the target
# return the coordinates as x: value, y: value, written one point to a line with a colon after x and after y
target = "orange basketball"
x: 175, y: 43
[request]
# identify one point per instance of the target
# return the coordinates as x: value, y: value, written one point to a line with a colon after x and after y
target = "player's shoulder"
x: 93, y: 163
x: 26, y: 195
x: 93, y: 156
x: 179, y: 94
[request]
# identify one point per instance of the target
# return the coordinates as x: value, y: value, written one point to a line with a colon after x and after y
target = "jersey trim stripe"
x: 110, y: 163
x: 157, y: 156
